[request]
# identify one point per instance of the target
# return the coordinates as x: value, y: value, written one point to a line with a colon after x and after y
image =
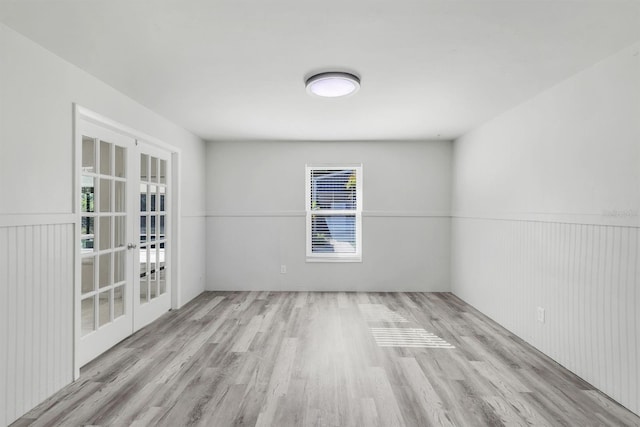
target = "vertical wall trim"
x: 4, y: 326
x: 75, y: 208
x: 176, y: 211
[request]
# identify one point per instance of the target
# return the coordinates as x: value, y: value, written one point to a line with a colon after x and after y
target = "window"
x: 334, y: 213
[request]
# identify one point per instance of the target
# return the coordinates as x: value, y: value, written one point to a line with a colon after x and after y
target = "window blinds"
x: 333, y: 211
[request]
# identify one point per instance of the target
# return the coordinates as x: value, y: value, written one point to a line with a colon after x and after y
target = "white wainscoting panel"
x: 584, y: 276
x: 36, y: 313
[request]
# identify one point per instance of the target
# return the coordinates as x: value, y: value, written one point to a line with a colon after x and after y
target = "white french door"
x: 151, y: 287
x: 124, y: 235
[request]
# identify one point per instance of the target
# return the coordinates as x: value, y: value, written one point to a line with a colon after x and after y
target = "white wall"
x: 37, y: 92
x: 256, y: 217
x: 546, y: 202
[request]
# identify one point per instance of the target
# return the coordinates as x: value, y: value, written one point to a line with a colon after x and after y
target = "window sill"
x: 334, y: 259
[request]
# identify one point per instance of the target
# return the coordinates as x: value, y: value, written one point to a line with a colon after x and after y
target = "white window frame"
x: 330, y: 256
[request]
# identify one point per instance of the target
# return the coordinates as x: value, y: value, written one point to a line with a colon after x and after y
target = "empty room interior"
x: 338, y: 213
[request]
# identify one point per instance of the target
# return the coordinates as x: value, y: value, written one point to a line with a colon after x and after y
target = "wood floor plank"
x: 279, y: 382
x: 310, y: 358
x: 146, y: 418
x: 611, y: 415
x: 368, y: 414
x: 343, y: 300
x: 244, y: 341
x: 427, y: 398
x: 207, y: 308
x: 386, y: 403
x: 508, y: 416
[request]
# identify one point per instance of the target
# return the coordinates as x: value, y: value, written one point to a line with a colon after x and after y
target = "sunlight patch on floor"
x: 380, y: 313
x: 408, y: 337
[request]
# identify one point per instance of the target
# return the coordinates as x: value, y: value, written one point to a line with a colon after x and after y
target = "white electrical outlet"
x: 283, y: 269
x: 540, y: 314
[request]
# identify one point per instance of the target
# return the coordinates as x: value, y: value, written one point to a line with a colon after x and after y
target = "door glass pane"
x: 86, y: 245
x: 105, y: 158
x: 119, y: 231
x: 144, y: 289
x: 161, y: 194
x: 163, y: 171
x: 88, y: 314
x: 152, y: 258
x: 154, y: 170
x: 153, y: 285
x: 118, y: 301
x: 120, y: 197
x: 162, y: 278
x: 161, y: 231
x: 87, y: 273
x: 86, y: 229
x: 152, y: 231
x: 143, y: 197
x: 143, y: 261
x: 104, y: 307
x: 153, y: 271
x: 143, y: 229
x: 88, y: 154
x: 87, y: 194
x: 104, y: 269
x: 144, y: 167
x: 105, y: 233
x: 120, y: 166
x: 118, y: 266
x: 86, y: 225
x: 105, y: 195
x: 152, y: 195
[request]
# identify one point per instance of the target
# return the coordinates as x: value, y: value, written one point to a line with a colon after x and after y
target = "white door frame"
x: 83, y: 114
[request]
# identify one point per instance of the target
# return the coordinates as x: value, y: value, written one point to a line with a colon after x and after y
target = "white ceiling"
x: 235, y: 69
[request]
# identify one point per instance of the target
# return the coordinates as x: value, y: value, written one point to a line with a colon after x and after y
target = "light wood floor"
x: 327, y: 359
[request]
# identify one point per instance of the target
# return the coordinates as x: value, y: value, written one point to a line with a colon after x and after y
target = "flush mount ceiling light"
x: 333, y: 84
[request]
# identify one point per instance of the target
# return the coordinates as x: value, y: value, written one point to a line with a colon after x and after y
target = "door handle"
x: 132, y: 246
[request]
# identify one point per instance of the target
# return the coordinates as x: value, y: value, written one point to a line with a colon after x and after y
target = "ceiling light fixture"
x: 333, y: 84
